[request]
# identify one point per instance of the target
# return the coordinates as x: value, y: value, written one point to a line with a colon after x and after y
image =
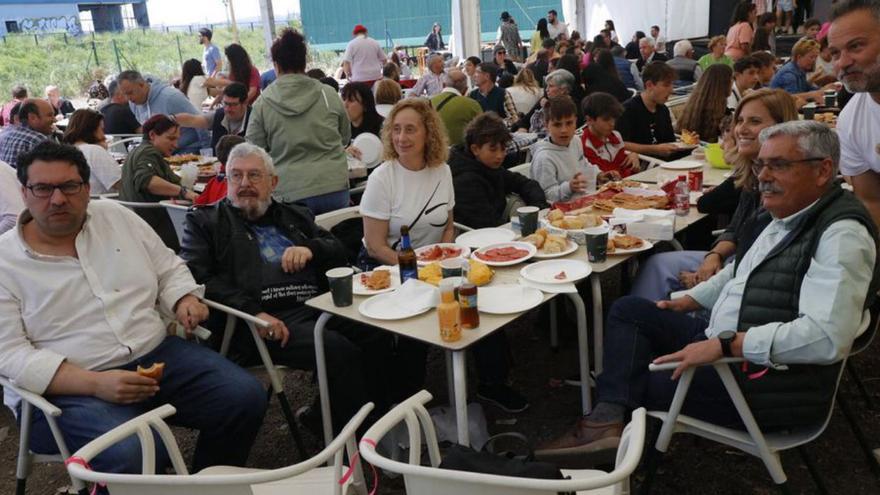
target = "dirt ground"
x: 692, y: 465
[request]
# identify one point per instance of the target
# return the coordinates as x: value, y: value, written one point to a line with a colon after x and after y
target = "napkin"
x: 415, y: 295
x: 549, y: 288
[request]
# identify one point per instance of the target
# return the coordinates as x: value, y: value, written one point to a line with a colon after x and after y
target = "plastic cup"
x: 206, y: 152
x: 528, y: 219
x: 450, y: 268
x: 809, y: 111
x: 830, y: 98
x: 340, y: 280
x: 597, y: 244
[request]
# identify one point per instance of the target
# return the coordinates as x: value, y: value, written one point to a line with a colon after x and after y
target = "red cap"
x: 359, y: 29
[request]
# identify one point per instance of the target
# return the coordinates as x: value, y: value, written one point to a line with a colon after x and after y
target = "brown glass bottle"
x: 467, y: 298
x: 406, y: 258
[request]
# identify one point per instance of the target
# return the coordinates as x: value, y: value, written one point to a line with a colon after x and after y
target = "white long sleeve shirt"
x: 832, y: 297
x: 97, y: 311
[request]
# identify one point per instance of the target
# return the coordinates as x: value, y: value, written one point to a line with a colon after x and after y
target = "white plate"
x: 483, y: 237
x: 519, y: 245
x: 465, y: 251
x: 645, y: 246
x: 508, y: 299
x: 360, y: 289
x: 382, y: 308
x: 544, y: 272
x: 371, y: 148
x: 682, y: 165
x: 572, y: 247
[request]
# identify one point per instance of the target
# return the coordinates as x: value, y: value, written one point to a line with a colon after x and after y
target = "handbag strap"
x: 490, y: 443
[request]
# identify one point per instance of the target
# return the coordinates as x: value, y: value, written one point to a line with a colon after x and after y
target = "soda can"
x: 695, y: 180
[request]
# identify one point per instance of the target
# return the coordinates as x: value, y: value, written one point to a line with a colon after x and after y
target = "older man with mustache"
x: 791, y: 305
x: 267, y: 258
x: 854, y: 39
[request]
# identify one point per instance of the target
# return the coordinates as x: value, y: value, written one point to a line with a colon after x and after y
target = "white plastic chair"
x: 177, y: 213
x: 26, y: 458
x: 524, y: 169
x: 431, y: 480
x: 651, y: 161
x: 306, y: 477
x: 330, y: 219
x: 121, y: 145
x: 276, y: 385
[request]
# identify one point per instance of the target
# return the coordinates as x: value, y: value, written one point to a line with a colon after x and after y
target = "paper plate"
x: 526, y: 246
x: 483, y: 237
x: 508, y: 299
x: 465, y: 251
x: 572, y: 247
x: 359, y: 289
x: 382, y: 307
x: 646, y: 245
x: 682, y: 165
x: 545, y: 272
x: 371, y: 148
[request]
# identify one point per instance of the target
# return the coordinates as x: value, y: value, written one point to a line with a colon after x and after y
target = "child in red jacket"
x: 603, y: 146
x: 215, y: 189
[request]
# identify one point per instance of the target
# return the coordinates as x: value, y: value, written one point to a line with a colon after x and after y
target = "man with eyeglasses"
x: 267, y: 258
x: 791, y: 304
x: 230, y: 119
x: 84, y: 287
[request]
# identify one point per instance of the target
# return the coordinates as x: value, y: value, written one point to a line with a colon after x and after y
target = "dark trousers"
x: 358, y: 359
x: 211, y: 394
x: 637, y: 332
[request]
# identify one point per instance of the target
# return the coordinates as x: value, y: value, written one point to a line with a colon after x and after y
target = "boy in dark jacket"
x: 482, y: 185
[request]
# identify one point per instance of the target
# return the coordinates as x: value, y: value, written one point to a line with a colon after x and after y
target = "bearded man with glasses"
x: 83, y: 288
x: 267, y: 258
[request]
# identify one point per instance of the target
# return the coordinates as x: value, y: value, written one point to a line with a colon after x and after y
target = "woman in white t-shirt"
x: 412, y: 187
x: 192, y: 82
x: 86, y: 132
x: 525, y: 91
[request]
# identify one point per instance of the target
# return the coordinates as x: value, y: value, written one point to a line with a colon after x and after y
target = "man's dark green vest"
x: 802, y: 394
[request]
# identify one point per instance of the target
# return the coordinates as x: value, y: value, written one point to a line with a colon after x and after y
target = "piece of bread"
x: 537, y: 239
x: 155, y: 371
x: 627, y: 241
x: 378, y: 280
x: 555, y: 244
x: 554, y: 215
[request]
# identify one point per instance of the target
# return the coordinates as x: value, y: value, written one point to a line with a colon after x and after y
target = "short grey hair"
x: 646, y: 41
x: 130, y: 76
x: 682, y: 48
x: 245, y: 150
x: 813, y: 138
x: 560, y: 77
x: 449, y: 79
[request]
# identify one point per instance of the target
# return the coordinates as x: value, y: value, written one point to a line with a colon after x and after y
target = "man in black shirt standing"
x: 646, y: 125
x: 118, y: 118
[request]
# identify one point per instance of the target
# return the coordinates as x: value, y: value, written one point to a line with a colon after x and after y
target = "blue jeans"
x: 638, y: 331
x: 211, y: 394
x: 658, y: 276
x: 327, y: 202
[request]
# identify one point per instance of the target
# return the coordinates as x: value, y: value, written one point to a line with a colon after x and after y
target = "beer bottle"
x: 406, y: 258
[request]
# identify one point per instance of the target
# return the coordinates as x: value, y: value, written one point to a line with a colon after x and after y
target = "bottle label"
x: 467, y: 301
x: 406, y: 274
x: 450, y: 333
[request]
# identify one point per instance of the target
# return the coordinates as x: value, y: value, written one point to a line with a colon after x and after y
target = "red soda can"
x: 695, y: 180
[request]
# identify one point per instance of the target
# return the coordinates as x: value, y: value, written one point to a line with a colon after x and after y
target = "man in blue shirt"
x: 211, y: 58
x: 792, y: 77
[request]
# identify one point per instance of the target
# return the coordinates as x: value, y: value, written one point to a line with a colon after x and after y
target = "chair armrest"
x: 674, y: 364
x: 463, y: 228
x: 37, y: 400
x: 236, y: 313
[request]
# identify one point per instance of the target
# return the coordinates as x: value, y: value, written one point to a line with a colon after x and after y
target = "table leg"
x: 596, y: 286
x: 583, y: 351
x: 460, y: 383
x: 450, y: 379
x: 554, y: 328
x: 321, y: 367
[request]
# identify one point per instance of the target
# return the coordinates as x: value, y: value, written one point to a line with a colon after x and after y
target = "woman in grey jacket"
x: 303, y: 125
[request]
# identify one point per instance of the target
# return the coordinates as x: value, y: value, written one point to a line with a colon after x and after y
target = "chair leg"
x: 651, y: 463
x: 814, y: 471
x: 854, y: 376
x: 859, y: 434
x: 20, y: 486
x: 291, y: 424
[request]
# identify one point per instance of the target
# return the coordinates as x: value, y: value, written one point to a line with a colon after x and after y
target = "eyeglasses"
x: 44, y: 191
x: 778, y: 165
x: 231, y: 103
x: 252, y: 177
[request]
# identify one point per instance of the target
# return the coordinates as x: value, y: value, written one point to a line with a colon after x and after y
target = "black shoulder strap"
x: 444, y: 102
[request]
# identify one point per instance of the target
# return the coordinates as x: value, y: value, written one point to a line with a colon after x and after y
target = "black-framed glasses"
x: 779, y: 165
x: 44, y: 191
x: 231, y: 103
x: 253, y: 177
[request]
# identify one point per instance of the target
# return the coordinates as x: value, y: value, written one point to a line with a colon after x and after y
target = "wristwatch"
x: 182, y: 193
x: 726, y: 337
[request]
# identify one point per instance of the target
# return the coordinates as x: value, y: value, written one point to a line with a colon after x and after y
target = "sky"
x: 179, y: 12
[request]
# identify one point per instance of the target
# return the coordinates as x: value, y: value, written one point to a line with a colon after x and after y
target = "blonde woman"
x: 413, y: 187
x: 716, y: 53
x: 525, y: 91
x: 387, y: 93
x: 792, y: 77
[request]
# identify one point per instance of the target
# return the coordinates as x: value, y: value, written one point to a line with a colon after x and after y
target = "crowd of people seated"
x: 88, y: 287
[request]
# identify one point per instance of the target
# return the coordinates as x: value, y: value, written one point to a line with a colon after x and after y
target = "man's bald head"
x: 456, y: 79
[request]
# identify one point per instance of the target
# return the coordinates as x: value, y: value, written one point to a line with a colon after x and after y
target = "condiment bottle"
x: 467, y: 298
x: 449, y: 312
x: 406, y: 258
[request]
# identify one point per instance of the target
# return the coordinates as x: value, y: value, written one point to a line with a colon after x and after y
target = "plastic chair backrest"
x: 524, y: 169
x: 177, y: 213
x: 328, y: 220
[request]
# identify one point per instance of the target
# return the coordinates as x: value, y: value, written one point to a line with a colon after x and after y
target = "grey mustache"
x: 768, y: 187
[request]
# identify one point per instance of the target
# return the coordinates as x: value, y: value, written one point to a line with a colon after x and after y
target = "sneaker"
x: 310, y: 418
x: 587, y: 437
x: 504, y: 397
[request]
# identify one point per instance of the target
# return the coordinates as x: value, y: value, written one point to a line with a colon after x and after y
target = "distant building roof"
x: 68, y: 2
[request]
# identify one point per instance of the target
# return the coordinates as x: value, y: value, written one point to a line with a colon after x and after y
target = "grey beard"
x: 256, y: 212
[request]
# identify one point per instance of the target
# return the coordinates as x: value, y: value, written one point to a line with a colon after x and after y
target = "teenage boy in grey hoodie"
x: 302, y: 123
x: 558, y: 162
